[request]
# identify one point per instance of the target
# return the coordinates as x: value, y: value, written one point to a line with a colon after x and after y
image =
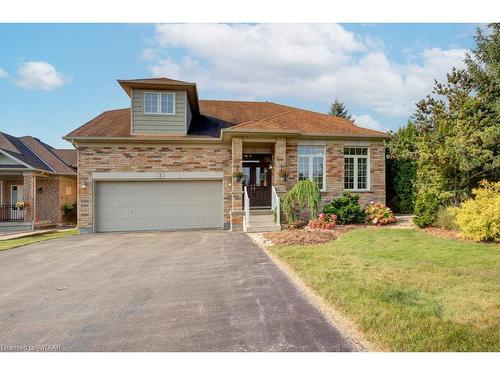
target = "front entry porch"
x: 31, y: 199
x: 255, y: 199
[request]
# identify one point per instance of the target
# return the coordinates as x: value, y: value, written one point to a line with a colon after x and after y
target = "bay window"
x: 356, y: 168
x: 311, y: 164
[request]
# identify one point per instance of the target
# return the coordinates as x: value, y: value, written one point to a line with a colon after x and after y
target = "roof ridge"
x: 12, y: 147
x: 50, y: 149
x: 263, y: 119
x: 36, y: 154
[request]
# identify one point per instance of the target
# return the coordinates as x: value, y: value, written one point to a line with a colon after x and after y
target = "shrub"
x: 303, y: 194
x: 447, y: 218
x: 479, y: 218
x: 401, y: 190
x: 323, y: 221
x: 69, y: 210
x: 378, y: 214
x: 427, y: 205
x: 346, y: 208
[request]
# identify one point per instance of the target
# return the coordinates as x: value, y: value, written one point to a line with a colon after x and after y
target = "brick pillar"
x: 236, y: 187
x: 279, y: 163
x: 28, y: 191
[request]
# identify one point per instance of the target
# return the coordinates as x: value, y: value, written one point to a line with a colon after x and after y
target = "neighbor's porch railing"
x: 9, y: 213
x: 275, y: 204
x: 246, y: 201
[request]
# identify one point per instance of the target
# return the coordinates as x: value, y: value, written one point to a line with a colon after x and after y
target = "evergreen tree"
x: 337, y: 108
x: 458, y: 130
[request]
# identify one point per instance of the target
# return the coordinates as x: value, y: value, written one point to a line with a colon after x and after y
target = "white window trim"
x: 311, y: 157
x: 158, y: 104
x: 368, y: 173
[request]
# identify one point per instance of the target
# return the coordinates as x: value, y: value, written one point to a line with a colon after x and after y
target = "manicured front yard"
x: 407, y: 290
x: 10, y: 244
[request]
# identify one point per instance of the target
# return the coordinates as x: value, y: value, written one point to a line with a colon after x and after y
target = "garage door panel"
x: 155, y: 205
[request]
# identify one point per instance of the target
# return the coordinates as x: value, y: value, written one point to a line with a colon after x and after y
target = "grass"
x: 10, y: 244
x: 407, y: 290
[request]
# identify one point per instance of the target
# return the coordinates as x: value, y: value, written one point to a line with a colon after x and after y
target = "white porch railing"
x: 275, y: 204
x: 246, y: 201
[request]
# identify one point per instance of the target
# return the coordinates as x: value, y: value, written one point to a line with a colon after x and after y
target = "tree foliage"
x: 458, y: 132
x: 337, y: 108
x: 401, y: 168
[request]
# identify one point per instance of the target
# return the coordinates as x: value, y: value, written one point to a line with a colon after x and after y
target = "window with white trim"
x: 356, y: 168
x: 159, y: 103
x: 311, y: 164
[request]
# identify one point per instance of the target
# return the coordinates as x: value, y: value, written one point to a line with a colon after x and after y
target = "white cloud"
x: 39, y: 75
x: 312, y: 62
x: 366, y: 121
x: 3, y: 73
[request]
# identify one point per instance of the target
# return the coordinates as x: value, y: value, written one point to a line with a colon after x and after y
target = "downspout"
x: 34, y: 203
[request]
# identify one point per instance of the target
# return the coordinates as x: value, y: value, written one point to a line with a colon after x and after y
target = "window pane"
x: 310, y: 150
x: 348, y: 173
x: 318, y: 171
x: 355, y: 151
x: 167, y: 103
x: 362, y: 173
x: 151, y: 103
x: 303, y: 168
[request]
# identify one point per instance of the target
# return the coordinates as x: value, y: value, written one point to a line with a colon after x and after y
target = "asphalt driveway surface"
x: 178, y: 291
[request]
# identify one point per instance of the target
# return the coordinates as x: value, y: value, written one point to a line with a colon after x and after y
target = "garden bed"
x: 308, y: 237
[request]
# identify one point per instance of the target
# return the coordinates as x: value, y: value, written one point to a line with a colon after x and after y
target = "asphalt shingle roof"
x: 216, y: 115
x: 35, y: 153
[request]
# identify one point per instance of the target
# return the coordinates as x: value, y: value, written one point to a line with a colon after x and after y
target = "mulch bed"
x: 307, y: 237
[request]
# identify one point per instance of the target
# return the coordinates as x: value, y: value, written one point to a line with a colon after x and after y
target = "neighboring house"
x: 169, y: 161
x: 36, y: 180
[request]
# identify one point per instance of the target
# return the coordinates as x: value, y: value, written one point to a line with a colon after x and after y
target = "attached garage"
x: 122, y: 206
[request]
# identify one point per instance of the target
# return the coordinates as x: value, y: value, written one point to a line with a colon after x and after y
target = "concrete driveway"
x: 178, y: 291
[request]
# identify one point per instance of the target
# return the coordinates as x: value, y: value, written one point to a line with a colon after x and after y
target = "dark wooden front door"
x: 257, y: 179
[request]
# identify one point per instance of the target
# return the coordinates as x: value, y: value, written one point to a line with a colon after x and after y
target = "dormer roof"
x: 163, y: 84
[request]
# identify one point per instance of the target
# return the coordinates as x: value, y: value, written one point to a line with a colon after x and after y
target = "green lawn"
x: 10, y: 244
x: 408, y: 290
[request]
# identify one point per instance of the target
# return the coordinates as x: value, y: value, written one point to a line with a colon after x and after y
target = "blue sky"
x: 55, y: 77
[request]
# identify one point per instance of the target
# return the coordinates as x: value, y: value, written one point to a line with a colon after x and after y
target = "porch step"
x: 260, y: 211
x: 261, y: 223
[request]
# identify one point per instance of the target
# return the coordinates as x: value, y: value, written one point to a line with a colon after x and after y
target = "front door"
x: 257, y: 179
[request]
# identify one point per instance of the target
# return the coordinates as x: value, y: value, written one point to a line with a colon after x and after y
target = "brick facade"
x: 222, y: 157
x: 149, y: 158
x: 335, y: 171
x: 51, y: 193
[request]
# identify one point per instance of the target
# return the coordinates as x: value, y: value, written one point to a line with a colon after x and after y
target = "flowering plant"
x: 21, y: 205
x: 238, y: 175
x: 378, y: 214
x: 324, y: 221
x: 283, y: 173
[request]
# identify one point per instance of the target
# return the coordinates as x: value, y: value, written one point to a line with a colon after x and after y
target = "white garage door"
x: 158, y: 205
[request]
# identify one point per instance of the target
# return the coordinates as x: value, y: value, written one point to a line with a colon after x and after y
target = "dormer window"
x: 156, y: 103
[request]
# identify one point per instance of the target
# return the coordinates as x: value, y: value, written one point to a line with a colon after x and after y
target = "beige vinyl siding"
x: 158, y: 124
x: 189, y: 115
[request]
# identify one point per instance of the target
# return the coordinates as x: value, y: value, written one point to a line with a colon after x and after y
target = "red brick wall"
x: 47, y: 202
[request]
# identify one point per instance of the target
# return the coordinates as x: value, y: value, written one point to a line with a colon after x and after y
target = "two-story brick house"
x: 171, y: 161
